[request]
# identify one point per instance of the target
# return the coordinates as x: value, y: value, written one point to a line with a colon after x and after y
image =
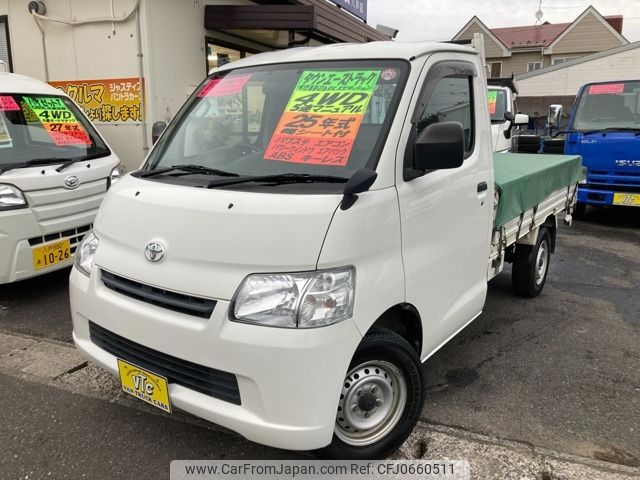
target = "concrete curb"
x: 58, y: 364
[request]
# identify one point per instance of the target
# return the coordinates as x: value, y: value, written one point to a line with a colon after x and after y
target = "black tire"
x: 381, y: 347
x: 526, y: 277
x: 579, y: 210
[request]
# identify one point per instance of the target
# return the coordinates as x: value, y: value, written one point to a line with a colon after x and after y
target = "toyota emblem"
x: 71, y: 182
x: 154, y: 251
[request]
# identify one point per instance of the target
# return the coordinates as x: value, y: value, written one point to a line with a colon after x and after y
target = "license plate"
x: 145, y: 385
x: 628, y: 199
x: 51, y: 254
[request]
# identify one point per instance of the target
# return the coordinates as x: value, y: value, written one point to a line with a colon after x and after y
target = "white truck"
x: 311, y: 227
x: 501, y: 94
x: 54, y: 171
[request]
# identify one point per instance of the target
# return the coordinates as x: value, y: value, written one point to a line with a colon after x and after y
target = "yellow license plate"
x: 51, y: 254
x: 628, y: 199
x: 142, y: 384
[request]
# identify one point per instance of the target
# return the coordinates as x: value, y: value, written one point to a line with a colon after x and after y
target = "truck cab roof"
x: 15, y: 83
x: 347, y: 51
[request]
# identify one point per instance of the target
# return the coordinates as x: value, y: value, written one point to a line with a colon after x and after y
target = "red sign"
x: 219, y: 87
x: 8, y: 104
x: 315, y: 151
x: 606, y: 89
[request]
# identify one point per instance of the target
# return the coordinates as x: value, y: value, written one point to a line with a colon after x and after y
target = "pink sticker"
x: 220, y: 87
x: 606, y: 89
x: 8, y: 104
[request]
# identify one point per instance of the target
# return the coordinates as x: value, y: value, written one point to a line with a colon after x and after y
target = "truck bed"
x: 529, y: 189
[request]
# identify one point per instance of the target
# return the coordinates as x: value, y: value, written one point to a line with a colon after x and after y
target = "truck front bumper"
x: 289, y: 380
x: 20, y: 227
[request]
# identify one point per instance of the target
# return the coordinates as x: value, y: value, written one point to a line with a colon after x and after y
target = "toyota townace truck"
x: 54, y: 171
x: 310, y: 228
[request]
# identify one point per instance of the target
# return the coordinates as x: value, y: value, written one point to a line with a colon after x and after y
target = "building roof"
x: 530, y: 36
x: 542, y: 35
x: 577, y: 61
x: 545, y: 34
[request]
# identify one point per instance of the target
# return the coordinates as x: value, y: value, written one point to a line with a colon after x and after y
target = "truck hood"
x: 212, y: 238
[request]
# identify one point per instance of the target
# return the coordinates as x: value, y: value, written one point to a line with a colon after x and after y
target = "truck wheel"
x: 579, y: 210
x: 381, y: 399
x: 531, y: 265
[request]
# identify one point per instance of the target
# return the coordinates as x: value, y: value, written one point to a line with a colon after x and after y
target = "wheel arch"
x: 403, y: 319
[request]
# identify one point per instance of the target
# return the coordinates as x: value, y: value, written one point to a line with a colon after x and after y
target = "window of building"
x: 495, y: 69
x: 531, y: 66
x: 558, y: 60
x: 219, y: 54
x: 451, y: 102
x: 5, y: 44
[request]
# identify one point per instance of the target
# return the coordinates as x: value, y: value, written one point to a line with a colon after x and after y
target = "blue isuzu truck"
x: 604, y: 128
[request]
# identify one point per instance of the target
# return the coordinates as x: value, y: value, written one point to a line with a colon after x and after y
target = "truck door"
x: 446, y: 214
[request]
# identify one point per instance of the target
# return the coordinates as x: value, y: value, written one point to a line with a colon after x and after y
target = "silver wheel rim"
x: 372, y: 401
x: 542, y: 261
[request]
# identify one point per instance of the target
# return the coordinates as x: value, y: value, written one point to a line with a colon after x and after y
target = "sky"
x: 442, y: 19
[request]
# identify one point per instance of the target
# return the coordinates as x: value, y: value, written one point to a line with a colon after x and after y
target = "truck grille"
x: 57, y: 206
x: 177, y: 302
x: 618, y: 181
x: 209, y: 381
x: 74, y: 235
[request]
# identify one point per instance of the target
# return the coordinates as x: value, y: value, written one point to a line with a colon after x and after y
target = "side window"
x: 451, y: 101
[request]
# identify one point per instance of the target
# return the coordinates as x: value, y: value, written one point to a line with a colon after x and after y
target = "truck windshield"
x: 608, y: 105
x: 497, y: 105
x: 314, y: 119
x: 44, y: 128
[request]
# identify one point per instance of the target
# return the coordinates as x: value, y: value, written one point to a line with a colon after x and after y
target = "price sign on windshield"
x: 322, y: 118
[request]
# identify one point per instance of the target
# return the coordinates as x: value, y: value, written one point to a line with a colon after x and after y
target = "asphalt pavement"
x: 561, y: 372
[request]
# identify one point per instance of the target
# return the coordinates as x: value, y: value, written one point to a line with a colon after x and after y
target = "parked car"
x: 55, y: 168
x: 288, y: 280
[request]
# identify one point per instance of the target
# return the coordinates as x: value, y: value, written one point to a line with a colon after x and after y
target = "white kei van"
x: 54, y: 171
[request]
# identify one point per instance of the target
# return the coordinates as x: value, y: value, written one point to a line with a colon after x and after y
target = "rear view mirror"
x: 157, y: 130
x: 521, y: 119
x: 439, y: 146
x: 508, y: 116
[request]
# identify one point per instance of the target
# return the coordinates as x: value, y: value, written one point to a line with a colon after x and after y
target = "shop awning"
x: 316, y: 19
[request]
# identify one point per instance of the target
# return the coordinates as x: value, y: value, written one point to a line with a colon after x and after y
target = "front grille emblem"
x: 71, y: 182
x: 154, y: 251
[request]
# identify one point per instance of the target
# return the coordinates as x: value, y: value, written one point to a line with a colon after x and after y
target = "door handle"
x: 482, y: 187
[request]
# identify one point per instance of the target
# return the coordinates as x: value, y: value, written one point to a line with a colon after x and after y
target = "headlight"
x: 295, y: 300
x: 11, y: 197
x: 85, y: 253
x: 117, y: 173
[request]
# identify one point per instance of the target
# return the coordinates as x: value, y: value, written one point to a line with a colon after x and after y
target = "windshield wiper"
x: 191, y: 168
x: 33, y: 163
x: 70, y: 162
x: 613, y: 129
x: 280, y: 179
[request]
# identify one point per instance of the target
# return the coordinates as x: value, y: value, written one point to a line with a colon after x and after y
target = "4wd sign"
x: 114, y: 100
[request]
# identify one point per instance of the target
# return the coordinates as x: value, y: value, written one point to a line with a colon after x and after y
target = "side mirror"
x: 508, y: 116
x: 554, y: 116
x: 521, y: 119
x: 439, y: 146
x: 156, y: 130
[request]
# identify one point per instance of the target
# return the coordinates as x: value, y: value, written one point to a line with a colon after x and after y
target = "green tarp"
x: 525, y: 180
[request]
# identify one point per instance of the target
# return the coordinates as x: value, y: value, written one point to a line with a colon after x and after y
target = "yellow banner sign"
x: 115, y: 100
